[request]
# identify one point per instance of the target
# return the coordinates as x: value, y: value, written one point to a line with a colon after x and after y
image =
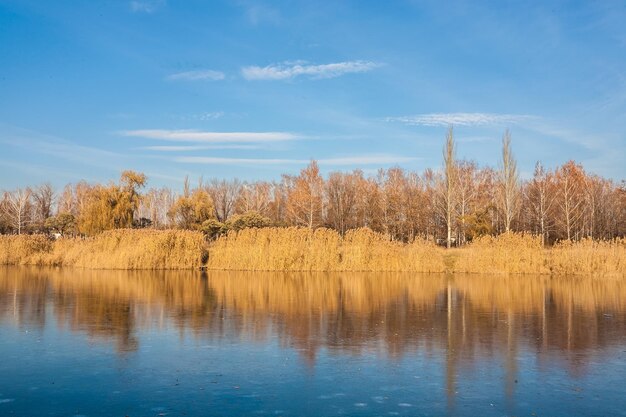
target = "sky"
x: 254, y: 89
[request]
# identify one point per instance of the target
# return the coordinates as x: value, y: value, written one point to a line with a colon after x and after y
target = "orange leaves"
x: 305, y: 197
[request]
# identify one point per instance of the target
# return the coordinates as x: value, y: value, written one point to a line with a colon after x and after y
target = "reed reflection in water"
x: 468, y: 331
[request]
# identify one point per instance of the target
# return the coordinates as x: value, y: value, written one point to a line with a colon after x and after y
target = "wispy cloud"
x: 210, y: 137
x: 341, y: 161
x: 236, y: 161
x: 173, y: 148
x: 461, y: 119
x: 289, y: 70
x: 58, y: 148
x: 367, y: 160
x: 146, y: 6
x: 198, y: 75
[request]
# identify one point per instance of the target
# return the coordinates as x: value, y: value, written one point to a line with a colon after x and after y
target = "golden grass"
x: 23, y: 249
x: 510, y: 253
x: 588, y: 257
x: 114, y: 249
x: 299, y: 249
x: 523, y: 254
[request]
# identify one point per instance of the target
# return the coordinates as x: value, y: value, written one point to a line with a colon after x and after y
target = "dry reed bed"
x: 115, y: 249
x: 514, y: 253
x: 299, y: 249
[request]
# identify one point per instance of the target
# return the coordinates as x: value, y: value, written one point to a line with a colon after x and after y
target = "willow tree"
x: 112, y: 206
x: 509, y: 186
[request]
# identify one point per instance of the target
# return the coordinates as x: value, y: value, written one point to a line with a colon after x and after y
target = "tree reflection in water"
x: 463, y: 319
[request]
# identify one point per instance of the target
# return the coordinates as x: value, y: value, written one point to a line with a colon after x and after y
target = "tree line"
x: 452, y: 205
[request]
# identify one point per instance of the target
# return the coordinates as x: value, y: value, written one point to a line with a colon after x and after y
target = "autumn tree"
x: 62, y: 223
x: 447, y: 186
x: 341, y: 196
x: 467, y: 190
x: 17, y: 208
x: 367, y: 202
x: 277, y: 207
x: 20, y: 208
x: 112, y: 206
x: 620, y: 209
x: 224, y: 195
x: 66, y: 203
x: 508, y: 183
x: 601, y: 214
x: 129, y: 198
x: 540, y: 195
x: 570, y: 182
x: 192, y: 208
x: 305, y: 196
x: 43, y: 200
x: 155, y: 205
x: 254, y: 197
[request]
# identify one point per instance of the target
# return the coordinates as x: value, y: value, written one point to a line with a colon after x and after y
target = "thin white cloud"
x: 342, y: 161
x: 461, y: 119
x: 289, y: 70
x: 146, y: 6
x: 367, y: 160
x: 168, y: 148
x: 210, y: 137
x: 236, y: 161
x: 198, y: 75
x: 58, y: 148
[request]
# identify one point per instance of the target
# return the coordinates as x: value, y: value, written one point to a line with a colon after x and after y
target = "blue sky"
x: 253, y: 89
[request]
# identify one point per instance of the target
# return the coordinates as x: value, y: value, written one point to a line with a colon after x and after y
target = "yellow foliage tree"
x: 192, y: 208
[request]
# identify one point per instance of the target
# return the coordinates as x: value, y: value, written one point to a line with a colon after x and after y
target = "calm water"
x: 95, y: 343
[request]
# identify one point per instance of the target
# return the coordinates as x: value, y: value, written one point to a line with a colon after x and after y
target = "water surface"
x: 105, y: 343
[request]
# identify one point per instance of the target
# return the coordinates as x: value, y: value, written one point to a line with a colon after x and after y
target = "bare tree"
x: 467, y: 181
x: 305, y: 197
x: 540, y: 196
x: 18, y: 206
x: 224, y: 195
x: 509, y: 187
x: 43, y: 197
x: 447, y: 188
x: 255, y: 197
x: 570, y: 182
x: 341, y: 197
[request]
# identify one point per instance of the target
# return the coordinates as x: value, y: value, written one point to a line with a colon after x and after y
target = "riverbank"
x: 127, y: 249
x: 298, y: 249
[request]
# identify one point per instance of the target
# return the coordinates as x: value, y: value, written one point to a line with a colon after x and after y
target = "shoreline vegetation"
x: 462, y: 218
x: 323, y: 250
